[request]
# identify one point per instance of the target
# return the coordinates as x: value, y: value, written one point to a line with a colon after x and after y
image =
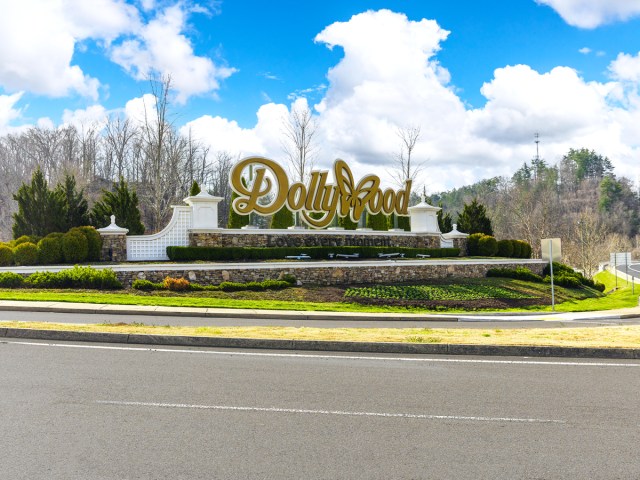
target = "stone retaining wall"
x: 328, y: 274
x: 320, y: 238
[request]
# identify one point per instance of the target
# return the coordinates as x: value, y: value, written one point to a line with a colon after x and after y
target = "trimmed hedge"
x: 11, y: 280
x: 146, y: 285
x: 76, y: 277
x: 519, y: 273
x: 6, y: 256
x: 75, y: 246
x: 487, y: 246
x: 25, y: 254
x: 186, y: 254
x: 505, y: 248
x: 94, y: 241
x: 50, y: 250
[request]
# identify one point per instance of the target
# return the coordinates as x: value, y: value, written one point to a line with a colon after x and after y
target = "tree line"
x: 579, y: 200
x: 150, y: 156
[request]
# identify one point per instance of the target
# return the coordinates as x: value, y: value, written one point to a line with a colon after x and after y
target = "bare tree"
x: 407, y: 168
x: 220, y: 183
x: 119, y: 136
x: 299, y: 143
x: 162, y: 149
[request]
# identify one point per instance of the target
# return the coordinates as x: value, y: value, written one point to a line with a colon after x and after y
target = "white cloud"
x: 626, y: 68
x: 160, y: 47
x: 389, y: 77
x: 593, y: 13
x: 8, y: 110
x: 522, y: 101
x: 38, y: 37
x: 91, y: 117
x: 141, y: 109
x: 585, y: 50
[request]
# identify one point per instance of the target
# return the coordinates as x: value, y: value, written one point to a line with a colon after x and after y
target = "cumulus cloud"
x: 38, y: 38
x: 8, y: 110
x: 91, y: 117
x: 593, y: 13
x: 160, y: 47
x: 390, y: 78
x: 626, y: 68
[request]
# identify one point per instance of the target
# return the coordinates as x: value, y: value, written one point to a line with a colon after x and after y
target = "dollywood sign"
x: 343, y: 198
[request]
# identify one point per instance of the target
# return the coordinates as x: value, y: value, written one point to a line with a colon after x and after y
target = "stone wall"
x: 304, y: 238
x: 114, y: 248
x: 340, y: 273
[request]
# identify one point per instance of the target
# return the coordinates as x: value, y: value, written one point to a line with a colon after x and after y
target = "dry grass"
x: 612, y: 336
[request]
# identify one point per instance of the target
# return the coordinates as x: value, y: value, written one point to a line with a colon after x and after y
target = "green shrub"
x: 146, y: 285
x: 472, y: 243
x: 76, y: 277
x: 505, y: 248
x: 94, y: 242
x: 599, y: 286
x: 564, y: 281
x: 6, y: 256
x: 289, y: 278
x: 487, y: 246
x: 50, y: 250
x: 25, y: 254
x: 519, y: 273
x: 11, y: 280
x: 526, y: 249
x: 75, y: 247
x: 25, y: 239
x: 517, y: 248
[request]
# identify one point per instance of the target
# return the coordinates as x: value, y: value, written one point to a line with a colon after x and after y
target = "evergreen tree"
x: 377, y: 221
x: 40, y: 210
x: 347, y: 223
x: 76, y: 208
x: 473, y: 219
x: 195, y: 189
x: 445, y: 222
x: 236, y: 220
x: 121, y: 202
x: 283, y: 218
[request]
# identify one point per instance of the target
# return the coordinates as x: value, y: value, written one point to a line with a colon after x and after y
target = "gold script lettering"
x: 345, y: 198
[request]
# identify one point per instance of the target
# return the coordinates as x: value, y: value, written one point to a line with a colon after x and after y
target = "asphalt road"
x: 111, y: 412
x: 346, y: 322
x: 633, y: 270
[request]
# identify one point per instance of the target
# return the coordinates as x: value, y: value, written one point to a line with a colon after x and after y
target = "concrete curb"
x: 323, y: 346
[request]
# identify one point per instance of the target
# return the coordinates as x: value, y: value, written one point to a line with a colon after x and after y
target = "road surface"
x: 85, y: 411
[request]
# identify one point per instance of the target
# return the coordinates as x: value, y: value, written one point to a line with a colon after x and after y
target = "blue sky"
x: 569, y: 69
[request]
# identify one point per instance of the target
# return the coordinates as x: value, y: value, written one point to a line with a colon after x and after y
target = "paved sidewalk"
x: 92, y: 308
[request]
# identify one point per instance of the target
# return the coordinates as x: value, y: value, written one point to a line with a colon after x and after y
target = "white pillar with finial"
x: 424, y: 217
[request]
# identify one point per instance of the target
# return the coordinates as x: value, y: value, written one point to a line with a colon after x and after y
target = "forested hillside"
x: 580, y: 200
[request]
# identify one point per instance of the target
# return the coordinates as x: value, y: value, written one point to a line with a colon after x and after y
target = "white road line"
x: 338, y: 357
x: 328, y: 412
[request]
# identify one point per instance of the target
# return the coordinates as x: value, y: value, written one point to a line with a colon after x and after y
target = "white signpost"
x: 551, y: 249
x: 621, y: 258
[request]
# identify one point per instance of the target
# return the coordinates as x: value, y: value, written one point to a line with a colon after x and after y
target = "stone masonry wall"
x: 340, y: 274
x: 291, y: 238
x: 114, y: 248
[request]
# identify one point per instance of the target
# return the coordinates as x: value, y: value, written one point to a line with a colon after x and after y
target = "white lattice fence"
x: 154, y: 247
